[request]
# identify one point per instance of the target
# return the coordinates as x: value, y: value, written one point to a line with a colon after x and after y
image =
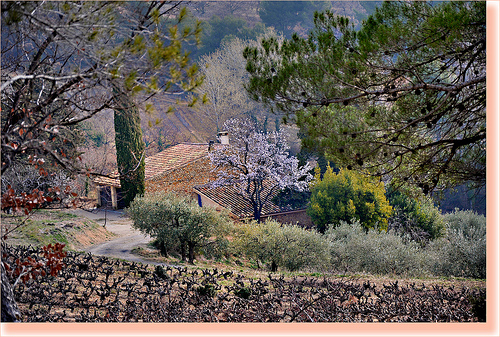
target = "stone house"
x: 178, y: 169
x: 186, y: 168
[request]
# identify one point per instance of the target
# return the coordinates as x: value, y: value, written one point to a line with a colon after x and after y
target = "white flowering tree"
x: 257, y: 165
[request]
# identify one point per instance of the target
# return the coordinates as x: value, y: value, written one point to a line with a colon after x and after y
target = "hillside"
x: 249, y: 10
x: 205, y: 10
x: 162, y: 128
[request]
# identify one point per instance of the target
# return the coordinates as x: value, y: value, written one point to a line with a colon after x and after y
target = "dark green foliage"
x: 160, y: 272
x: 419, y: 219
x: 129, y: 148
x: 243, y: 292
x: 403, y: 97
x: 206, y: 290
x: 310, y: 150
x: 290, y: 199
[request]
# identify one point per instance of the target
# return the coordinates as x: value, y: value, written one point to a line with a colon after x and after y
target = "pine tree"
x: 403, y: 97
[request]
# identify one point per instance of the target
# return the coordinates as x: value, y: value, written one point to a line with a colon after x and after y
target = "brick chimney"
x: 223, y: 137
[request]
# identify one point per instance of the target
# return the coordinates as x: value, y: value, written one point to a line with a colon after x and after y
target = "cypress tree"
x: 129, y: 146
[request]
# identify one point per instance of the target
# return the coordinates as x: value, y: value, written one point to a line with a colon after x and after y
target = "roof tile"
x: 173, y: 157
x: 228, y: 197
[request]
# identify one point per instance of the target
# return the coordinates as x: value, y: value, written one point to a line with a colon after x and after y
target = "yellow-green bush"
x: 348, y: 196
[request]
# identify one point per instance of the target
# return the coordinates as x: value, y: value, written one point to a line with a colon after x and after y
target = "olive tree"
x: 286, y: 246
x: 179, y: 225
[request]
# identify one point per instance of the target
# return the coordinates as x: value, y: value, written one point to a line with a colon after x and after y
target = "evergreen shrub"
x: 462, y: 251
x: 355, y: 250
x: 346, y: 196
x: 420, y: 220
x: 286, y: 246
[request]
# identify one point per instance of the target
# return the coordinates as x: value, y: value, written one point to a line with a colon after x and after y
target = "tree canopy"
x: 403, y: 98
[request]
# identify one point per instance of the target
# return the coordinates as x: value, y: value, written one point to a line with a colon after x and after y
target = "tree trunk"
x: 183, y: 251
x: 129, y: 146
x: 256, y: 213
x: 10, y: 311
x: 191, y: 252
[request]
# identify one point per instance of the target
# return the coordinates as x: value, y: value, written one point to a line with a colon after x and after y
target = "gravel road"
x: 128, y: 237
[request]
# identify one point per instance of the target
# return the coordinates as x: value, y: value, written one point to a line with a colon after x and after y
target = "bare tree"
x: 224, y: 83
x: 60, y: 62
x: 61, y: 75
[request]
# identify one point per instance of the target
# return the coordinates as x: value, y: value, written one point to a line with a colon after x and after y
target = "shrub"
x: 179, y: 225
x: 376, y: 252
x: 421, y: 220
x: 285, y: 246
x: 345, y: 196
x: 28, y: 178
x: 462, y: 251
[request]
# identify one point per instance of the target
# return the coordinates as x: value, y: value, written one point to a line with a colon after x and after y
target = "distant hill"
x: 205, y: 10
x: 183, y: 124
x: 249, y: 10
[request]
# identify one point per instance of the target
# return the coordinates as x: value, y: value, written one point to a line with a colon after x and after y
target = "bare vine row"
x: 99, y: 289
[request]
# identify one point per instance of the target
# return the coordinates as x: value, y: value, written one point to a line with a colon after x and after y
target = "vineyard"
x: 97, y: 289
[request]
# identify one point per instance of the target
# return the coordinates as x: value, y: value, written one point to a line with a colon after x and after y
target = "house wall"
x: 183, y: 179
x: 207, y: 202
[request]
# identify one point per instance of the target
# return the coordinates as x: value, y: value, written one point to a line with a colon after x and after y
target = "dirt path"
x: 121, y: 247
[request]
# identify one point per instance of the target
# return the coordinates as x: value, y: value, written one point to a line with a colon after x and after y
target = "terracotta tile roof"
x: 228, y: 198
x: 173, y: 157
x: 183, y: 178
x: 112, y: 180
